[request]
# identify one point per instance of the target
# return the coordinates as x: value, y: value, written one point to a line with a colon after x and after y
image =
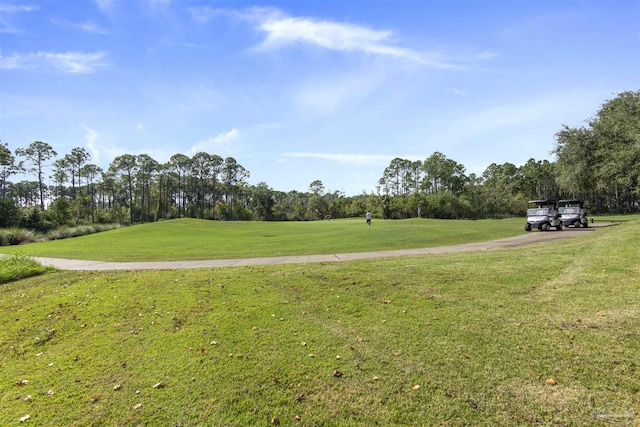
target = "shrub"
x: 79, y: 230
x: 16, y: 236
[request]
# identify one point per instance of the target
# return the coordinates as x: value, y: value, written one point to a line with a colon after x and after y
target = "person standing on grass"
x: 369, y: 218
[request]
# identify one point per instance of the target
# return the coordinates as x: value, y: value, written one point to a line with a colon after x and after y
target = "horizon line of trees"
x: 599, y: 163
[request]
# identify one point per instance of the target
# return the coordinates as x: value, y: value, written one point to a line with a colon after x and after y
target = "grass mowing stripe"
x: 479, y: 333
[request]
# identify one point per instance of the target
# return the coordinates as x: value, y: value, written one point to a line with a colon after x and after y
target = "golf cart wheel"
x: 559, y: 227
x: 545, y: 227
x: 527, y: 227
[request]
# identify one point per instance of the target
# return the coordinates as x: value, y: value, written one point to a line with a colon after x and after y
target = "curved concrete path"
x: 524, y: 239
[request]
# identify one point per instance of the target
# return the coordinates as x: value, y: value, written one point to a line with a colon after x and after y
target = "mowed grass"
x: 459, y: 339
x: 192, y: 239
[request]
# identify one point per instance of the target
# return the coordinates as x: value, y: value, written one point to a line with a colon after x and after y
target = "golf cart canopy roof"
x: 567, y: 202
x: 544, y: 202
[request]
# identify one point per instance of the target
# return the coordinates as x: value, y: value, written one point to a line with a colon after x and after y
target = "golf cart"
x: 572, y: 212
x: 543, y: 214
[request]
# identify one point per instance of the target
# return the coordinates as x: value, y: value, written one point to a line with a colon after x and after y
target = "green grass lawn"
x: 458, y: 339
x: 191, y: 239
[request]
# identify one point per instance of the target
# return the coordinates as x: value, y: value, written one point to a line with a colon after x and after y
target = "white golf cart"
x: 542, y: 214
x: 572, y: 212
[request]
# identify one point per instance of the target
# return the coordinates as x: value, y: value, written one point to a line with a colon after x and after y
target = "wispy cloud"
x: 67, y: 62
x: 89, y: 27
x: 504, y: 117
x: 281, y: 31
x: 219, y: 141
x: 6, y: 13
x: 341, y: 157
x: 328, y: 95
x: 105, y: 6
x: 204, y: 14
x: 4, y: 8
x: 157, y: 5
x: 91, y: 138
x: 338, y: 37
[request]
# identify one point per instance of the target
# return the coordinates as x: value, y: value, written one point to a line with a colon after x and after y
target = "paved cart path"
x: 525, y: 239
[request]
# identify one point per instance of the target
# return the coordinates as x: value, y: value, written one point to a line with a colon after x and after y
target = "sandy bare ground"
x: 525, y: 239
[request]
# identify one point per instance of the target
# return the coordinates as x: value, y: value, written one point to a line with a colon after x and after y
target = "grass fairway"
x: 460, y: 339
x: 192, y: 239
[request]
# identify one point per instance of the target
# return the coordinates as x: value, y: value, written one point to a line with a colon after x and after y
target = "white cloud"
x: 88, y: 26
x: 342, y: 157
x: 91, y: 137
x: 458, y: 92
x: 282, y: 31
x: 512, y: 131
x: 225, y: 138
x: 6, y: 11
x: 67, y: 62
x: 504, y: 117
x: 327, y: 96
x: 105, y: 6
x: 255, y: 15
x: 210, y: 145
x: 335, y: 36
x: 10, y: 8
x: 157, y: 5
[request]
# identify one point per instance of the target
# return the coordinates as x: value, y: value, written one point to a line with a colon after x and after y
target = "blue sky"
x: 298, y: 91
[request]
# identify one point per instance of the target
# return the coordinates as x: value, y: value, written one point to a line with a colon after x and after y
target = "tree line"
x: 598, y: 162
